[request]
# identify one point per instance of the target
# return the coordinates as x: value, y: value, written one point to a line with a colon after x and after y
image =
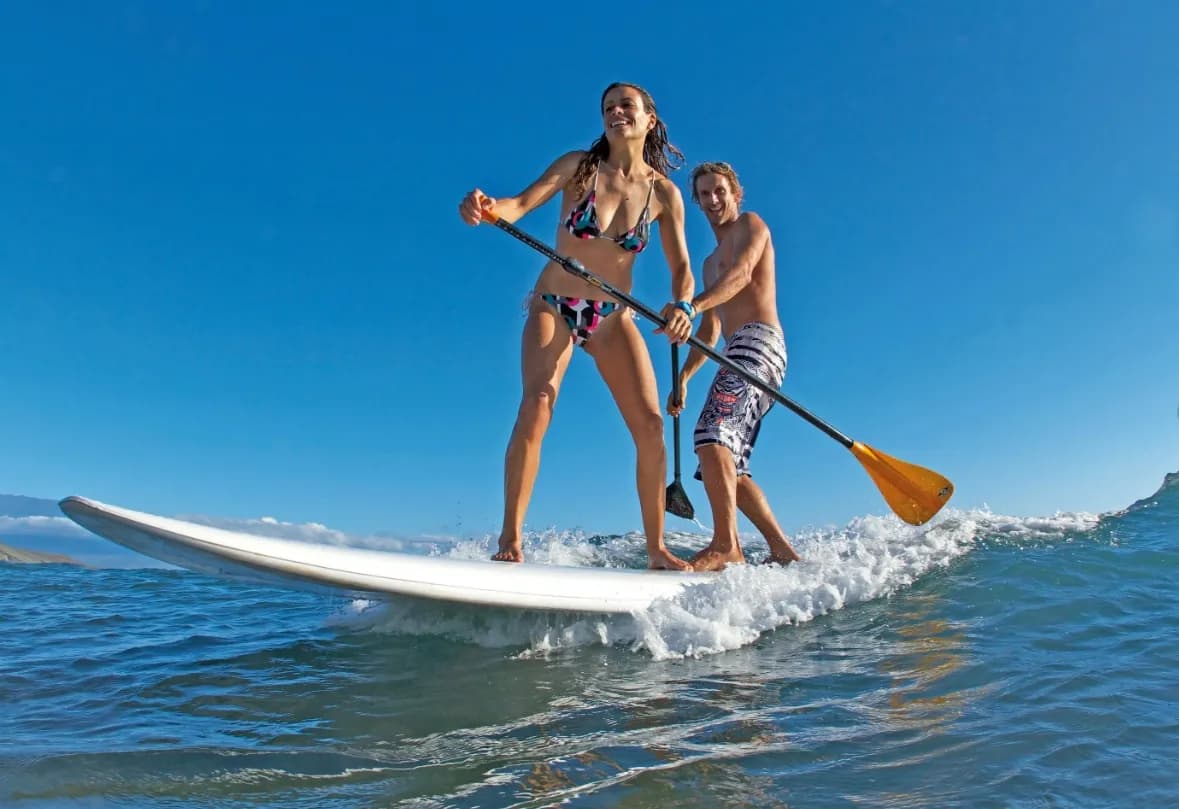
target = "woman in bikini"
x: 611, y: 193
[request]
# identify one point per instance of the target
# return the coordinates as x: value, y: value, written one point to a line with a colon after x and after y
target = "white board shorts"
x: 733, y: 412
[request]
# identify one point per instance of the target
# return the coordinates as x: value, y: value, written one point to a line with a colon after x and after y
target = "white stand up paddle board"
x: 293, y: 563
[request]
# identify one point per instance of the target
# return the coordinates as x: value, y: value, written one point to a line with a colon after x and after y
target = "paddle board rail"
x: 374, y: 573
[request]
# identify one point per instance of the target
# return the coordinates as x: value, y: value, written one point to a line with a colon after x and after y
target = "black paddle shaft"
x: 675, y: 421
x: 577, y: 268
x: 676, y: 499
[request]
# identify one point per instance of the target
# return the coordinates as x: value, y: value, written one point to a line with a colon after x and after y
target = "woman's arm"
x: 675, y: 250
x: 542, y: 189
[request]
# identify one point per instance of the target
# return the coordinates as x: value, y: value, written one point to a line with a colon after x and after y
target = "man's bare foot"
x: 663, y: 559
x: 781, y: 552
x: 509, y: 551
x: 713, y: 559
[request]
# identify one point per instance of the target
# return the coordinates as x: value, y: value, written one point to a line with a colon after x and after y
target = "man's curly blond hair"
x: 724, y: 170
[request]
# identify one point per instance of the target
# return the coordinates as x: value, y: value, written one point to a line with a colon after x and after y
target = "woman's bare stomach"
x: 602, y: 257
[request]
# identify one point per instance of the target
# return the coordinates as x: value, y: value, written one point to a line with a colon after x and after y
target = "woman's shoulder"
x: 666, y: 191
x: 572, y: 158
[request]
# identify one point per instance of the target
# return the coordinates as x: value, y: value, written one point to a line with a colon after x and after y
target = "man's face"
x: 717, y: 198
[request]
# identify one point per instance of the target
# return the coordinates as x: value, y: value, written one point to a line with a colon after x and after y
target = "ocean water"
x: 984, y: 660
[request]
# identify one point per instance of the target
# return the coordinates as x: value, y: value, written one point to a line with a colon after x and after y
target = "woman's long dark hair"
x: 658, y: 151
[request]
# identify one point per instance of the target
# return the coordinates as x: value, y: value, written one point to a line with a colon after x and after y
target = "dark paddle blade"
x: 677, y: 501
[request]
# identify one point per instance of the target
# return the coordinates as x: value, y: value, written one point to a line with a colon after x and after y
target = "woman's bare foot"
x: 781, y: 552
x: 663, y: 559
x: 509, y: 551
x: 717, y: 559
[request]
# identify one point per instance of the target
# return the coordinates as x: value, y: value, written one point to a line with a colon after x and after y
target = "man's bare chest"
x: 715, y: 265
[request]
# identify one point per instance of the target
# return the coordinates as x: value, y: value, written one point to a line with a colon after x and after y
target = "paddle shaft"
x: 675, y: 420
x: 577, y: 268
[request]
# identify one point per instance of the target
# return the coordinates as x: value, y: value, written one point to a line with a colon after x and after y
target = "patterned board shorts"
x: 734, y: 410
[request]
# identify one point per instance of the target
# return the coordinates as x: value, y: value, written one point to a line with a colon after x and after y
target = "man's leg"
x: 753, y: 504
x: 719, y: 473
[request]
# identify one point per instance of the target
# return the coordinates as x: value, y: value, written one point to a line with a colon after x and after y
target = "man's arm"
x: 750, y: 236
x: 708, y: 333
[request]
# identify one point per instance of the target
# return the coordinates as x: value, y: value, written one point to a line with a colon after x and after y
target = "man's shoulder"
x: 748, y: 225
x: 752, y: 220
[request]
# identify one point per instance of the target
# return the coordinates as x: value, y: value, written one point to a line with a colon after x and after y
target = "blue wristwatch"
x: 687, y: 308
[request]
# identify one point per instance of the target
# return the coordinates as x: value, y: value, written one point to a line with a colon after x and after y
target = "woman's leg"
x: 622, y: 359
x: 546, y: 347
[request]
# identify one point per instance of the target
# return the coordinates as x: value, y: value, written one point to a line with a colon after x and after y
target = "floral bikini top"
x: 582, y: 222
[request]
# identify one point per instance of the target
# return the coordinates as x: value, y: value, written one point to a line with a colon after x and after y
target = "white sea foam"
x: 870, y: 558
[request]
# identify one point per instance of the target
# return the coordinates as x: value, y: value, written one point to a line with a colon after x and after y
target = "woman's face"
x: 624, y: 115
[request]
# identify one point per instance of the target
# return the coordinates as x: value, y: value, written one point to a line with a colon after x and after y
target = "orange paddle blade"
x: 913, y: 492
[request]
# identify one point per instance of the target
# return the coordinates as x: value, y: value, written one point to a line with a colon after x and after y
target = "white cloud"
x: 310, y: 532
x: 41, y: 526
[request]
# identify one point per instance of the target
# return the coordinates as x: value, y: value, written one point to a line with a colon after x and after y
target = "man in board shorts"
x: 739, y: 300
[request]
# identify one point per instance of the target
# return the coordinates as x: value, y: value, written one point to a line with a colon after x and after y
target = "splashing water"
x: 870, y: 558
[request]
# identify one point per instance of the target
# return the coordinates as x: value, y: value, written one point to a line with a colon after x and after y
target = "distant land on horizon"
x: 36, y: 528
x: 13, y: 555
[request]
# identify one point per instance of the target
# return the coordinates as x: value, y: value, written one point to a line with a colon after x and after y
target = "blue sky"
x: 233, y: 281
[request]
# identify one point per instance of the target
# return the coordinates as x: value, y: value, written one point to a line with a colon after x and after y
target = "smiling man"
x: 738, y: 301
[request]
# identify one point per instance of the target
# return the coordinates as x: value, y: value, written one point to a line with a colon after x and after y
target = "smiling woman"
x: 611, y: 193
